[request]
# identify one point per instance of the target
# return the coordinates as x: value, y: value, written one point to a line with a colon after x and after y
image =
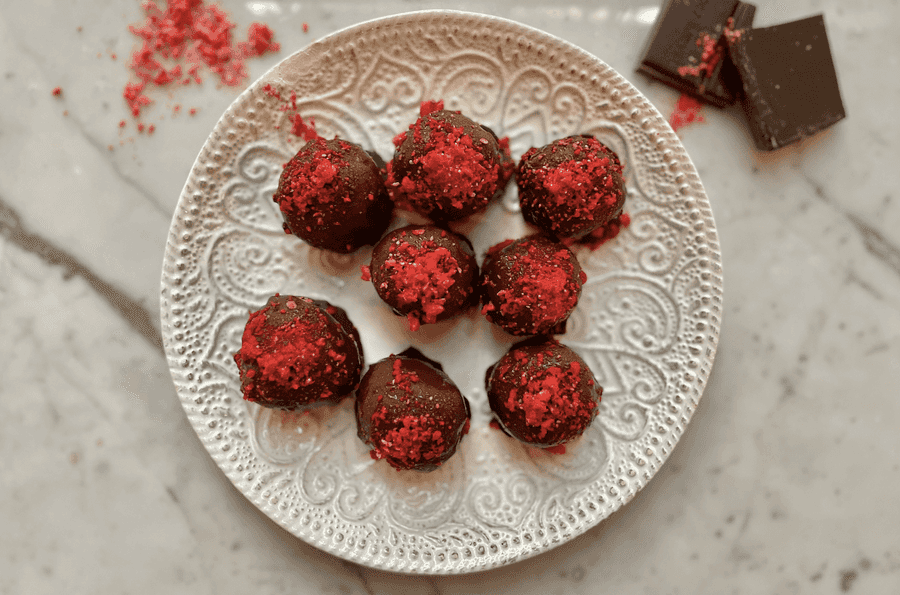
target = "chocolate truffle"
x: 542, y: 393
x: 425, y: 273
x: 297, y: 352
x: 447, y: 167
x: 332, y: 195
x: 570, y: 187
x: 531, y: 285
x: 410, y: 412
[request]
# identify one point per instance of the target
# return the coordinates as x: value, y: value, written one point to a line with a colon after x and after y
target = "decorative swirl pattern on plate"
x: 647, y: 323
x: 503, y: 504
x: 471, y: 82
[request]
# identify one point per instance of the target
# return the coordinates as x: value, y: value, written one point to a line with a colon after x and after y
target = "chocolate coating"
x: 570, y: 187
x: 447, y: 167
x: 296, y: 353
x: 332, y: 195
x: 542, y: 393
x: 425, y: 273
x: 410, y: 412
x: 531, y: 285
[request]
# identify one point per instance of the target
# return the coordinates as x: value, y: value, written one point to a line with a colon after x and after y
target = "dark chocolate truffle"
x: 332, y: 195
x: 297, y: 352
x: 425, y: 273
x: 531, y: 285
x: 410, y: 412
x: 447, y: 167
x: 542, y: 393
x: 571, y: 187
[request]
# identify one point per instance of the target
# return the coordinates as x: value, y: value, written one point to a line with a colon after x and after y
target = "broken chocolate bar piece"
x: 790, y: 86
x: 688, y: 50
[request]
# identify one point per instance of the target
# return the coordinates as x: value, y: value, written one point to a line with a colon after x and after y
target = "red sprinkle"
x: 422, y: 276
x: 305, y: 131
x: 260, y: 40
x: 194, y: 34
x: 712, y: 52
x: 687, y: 111
x: 431, y: 106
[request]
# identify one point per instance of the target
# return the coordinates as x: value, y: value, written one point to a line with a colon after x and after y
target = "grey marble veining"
x: 785, y: 482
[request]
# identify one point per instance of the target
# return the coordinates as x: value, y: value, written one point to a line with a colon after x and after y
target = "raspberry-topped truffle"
x: 570, y: 187
x: 447, y: 167
x: 531, y: 285
x: 542, y: 393
x: 297, y: 352
x: 410, y: 412
x: 332, y: 196
x: 425, y: 273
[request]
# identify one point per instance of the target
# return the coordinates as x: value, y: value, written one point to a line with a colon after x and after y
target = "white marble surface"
x: 785, y: 482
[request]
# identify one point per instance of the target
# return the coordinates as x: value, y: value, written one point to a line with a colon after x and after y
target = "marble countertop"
x: 786, y: 480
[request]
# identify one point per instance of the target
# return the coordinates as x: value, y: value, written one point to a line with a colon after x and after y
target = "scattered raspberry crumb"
x: 151, y: 128
x: 65, y: 112
x: 109, y: 147
x: 57, y: 91
x: 114, y: 57
x: 305, y: 27
x: 140, y: 127
x: 687, y: 111
x: 260, y: 40
x: 179, y: 39
x: 305, y: 131
x: 193, y: 111
x: 122, y: 124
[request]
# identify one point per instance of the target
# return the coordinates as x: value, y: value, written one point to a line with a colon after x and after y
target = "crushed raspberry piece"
x: 57, y: 91
x: 306, y: 131
x: 687, y: 111
x: 414, y: 439
x: 260, y: 40
x: 426, y: 107
x: 423, y: 276
x: 195, y: 34
x: 712, y: 53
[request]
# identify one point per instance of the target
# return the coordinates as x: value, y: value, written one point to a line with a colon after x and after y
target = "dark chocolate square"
x: 790, y: 86
x: 677, y: 44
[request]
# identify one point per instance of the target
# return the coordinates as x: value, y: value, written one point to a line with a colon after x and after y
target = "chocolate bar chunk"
x: 688, y: 51
x: 790, y: 87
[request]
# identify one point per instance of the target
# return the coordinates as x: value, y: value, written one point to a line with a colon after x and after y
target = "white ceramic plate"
x: 647, y: 323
